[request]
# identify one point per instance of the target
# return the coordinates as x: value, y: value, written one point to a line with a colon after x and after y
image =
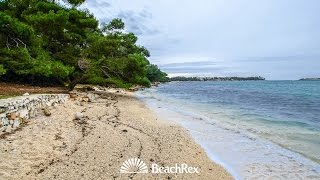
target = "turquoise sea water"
x: 256, y: 129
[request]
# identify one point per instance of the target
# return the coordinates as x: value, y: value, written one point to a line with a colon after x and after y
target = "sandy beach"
x: 116, y: 127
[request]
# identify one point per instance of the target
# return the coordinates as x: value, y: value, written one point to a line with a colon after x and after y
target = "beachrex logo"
x: 136, y: 165
x: 177, y: 168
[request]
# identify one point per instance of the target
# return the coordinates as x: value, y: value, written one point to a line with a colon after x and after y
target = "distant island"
x: 309, y: 79
x: 182, y: 78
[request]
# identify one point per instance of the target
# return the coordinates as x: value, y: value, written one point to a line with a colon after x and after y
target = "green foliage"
x: 14, y: 33
x: 115, y: 25
x: 46, y: 41
x: 2, y: 70
x: 115, y: 82
x: 75, y: 2
x: 16, y: 60
x: 98, y: 80
x: 154, y: 74
x: 51, y: 69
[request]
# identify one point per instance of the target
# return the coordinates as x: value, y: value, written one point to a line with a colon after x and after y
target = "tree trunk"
x: 75, y: 82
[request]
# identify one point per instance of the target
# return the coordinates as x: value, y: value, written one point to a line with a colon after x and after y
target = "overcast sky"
x: 277, y: 39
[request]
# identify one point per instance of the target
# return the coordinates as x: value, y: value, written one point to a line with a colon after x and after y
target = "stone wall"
x: 17, y: 110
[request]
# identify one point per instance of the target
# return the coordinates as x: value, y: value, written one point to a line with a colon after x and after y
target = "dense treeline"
x: 182, y: 78
x: 49, y: 42
x: 154, y: 74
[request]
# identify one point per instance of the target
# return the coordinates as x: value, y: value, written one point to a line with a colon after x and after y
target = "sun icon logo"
x: 134, y: 165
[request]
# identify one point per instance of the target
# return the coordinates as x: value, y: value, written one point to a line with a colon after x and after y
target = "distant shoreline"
x: 309, y: 79
x: 182, y: 78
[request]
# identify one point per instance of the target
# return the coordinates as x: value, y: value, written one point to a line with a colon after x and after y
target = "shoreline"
x: 214, y: 158
x: 117, y: 126
x: 244, y: 155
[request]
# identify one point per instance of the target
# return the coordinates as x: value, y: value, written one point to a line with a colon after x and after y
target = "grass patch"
x: 6, y: 96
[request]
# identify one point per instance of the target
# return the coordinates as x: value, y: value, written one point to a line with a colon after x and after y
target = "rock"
x: 135, y: 88
x: 3, y: 129
x: 8, y: 129
x: 2, y: 109
x: 91, y: 97
x: 12, y: 116
x: 73, y: 94
x: 81, y: 103
x: 24, y: 120
x: 85, y: 99
x: 78, y: 115
x: 25, y: 94
x: 4, y: 121
x: 88, y: 88
x: 97, y: 88
x: 47, y: 112
x: 32, y: 113
x: 24, y: 113
x: 16, y: 123
x: 4, y: 115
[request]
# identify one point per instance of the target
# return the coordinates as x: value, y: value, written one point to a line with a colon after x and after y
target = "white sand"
x: 117, y: 127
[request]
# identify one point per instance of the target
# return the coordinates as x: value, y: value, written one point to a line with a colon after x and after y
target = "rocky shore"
x: 90, y: 135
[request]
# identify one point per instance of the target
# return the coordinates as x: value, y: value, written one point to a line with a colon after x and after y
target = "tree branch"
x: 8, y: 43
x: 16, y: 40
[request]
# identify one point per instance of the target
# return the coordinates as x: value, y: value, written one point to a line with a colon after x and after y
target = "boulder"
x: 25, y: 94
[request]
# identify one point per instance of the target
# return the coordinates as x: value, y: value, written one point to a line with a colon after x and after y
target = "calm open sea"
x: 255, y: 129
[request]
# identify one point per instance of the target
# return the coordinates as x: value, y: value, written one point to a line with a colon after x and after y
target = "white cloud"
x: 223, y: 30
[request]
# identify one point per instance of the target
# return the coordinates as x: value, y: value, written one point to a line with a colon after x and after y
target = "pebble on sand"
x: 47, y: 111
x: 78, y: 115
